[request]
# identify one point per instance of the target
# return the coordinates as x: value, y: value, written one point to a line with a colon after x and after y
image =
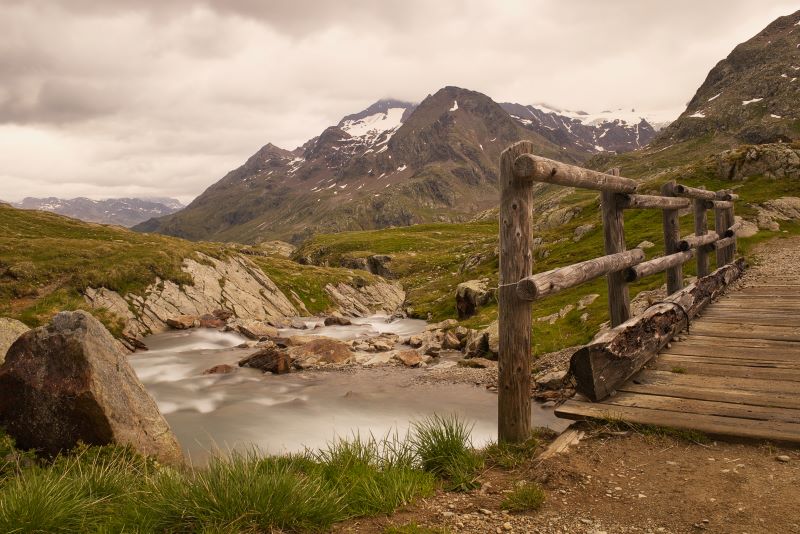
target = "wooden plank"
x: 778, y: 333
x: 619, y: 301
x: 727, y: 343
x: 713, y: 425
x: 752, y: 353
x: 710, y: 368
x: 705, y: 407
x: 654, y: 376
x: 738, y: 396
x: 754, y: 319
x: 571, y: 436
x: 657, y: 265
x: 514, y: 314
x: 652, y: 202
x: 760, y: 360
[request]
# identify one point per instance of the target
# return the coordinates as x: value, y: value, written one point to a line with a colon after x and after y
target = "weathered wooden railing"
x: 613, y: 357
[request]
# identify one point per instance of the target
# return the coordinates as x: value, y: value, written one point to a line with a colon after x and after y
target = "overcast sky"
x: 108, y: 98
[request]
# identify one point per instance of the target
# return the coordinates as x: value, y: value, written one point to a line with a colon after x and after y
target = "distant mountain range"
x: 394, y: 163
x: 121, y: 211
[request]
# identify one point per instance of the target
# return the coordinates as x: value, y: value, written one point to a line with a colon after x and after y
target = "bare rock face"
x: 10, y: 330
x: 221, y: 369
x: 255, y: 329
x: 363, y: 301
x: 470, y: 296
x: 246, y: 292
x: 68, y: 382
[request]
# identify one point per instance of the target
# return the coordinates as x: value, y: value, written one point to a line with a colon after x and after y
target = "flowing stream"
x: 287, y: 413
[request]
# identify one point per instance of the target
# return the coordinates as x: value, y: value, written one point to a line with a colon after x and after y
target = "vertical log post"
x: 720, y: 225
x: 514, y: 314
x: 672, y: 236
x: 619, y: 305
x: 701, y: 228
x: 731, y: 219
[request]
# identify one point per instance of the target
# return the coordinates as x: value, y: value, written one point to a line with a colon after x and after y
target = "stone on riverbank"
x: 269, y: 360
x: 68, y: 382
x: 10, y: 330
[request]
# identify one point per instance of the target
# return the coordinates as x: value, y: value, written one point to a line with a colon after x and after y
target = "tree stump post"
x: 720, y: 225
x: 672, y: 236
x: 701, y: 229
x: 514, y: 313
x: 619, y: 305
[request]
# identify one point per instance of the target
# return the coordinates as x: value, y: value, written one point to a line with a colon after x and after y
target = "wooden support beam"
x: 619, y: 305
x: 724, y: 243
x: 615, y: 355
x: 700, y: 230
x: 657, y: 265
x: 554, y: 172
x: 652, y: 202
x: 735, y: 227
x: 730, y: 219
x: 721, y: 204
x: 550, y: 282
x: 672, y: 228
x: 730, y: 196
x: 694, y: 241
x: 514, y: 314
x: 693, y: 192
x: 719, y: 226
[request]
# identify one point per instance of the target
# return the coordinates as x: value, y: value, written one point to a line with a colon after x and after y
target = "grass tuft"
x: 525, y: 498
x: 445, y: 449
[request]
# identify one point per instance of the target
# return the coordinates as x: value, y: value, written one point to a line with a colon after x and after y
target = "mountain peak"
x: 750, y: 96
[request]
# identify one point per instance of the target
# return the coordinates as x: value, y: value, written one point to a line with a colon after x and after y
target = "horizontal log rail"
x: 653, y: 202
x: 612, y: 357
x: 721, y: 204
x: 724, y: 243
x: 538, y: 169
x: 693, y: 192
x: 697, y: 241
x: 730, y: 232
x: 657, y: 265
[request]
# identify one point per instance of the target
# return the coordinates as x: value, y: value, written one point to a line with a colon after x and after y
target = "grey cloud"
x: 151, y: 97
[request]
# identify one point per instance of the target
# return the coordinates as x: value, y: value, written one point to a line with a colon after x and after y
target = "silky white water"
x: 287, y: 413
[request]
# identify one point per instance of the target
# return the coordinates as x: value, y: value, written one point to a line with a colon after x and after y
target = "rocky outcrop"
x: 269, y: 360
x: 10, y: 330
x: 777, y: 209
x: 772, y: 161
x: 234, y: 284
x: 318, y: 351
x: 470, y: 296
x: 68, y: 382
x: 381, y: 297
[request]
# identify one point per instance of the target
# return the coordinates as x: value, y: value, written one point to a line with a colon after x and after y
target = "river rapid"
x: 288, y: 413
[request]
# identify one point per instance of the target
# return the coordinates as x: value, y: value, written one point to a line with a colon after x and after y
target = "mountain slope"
x: 601, y: 132
x: 122, y: 211
x: 392, y: 164
x: 752, y: 96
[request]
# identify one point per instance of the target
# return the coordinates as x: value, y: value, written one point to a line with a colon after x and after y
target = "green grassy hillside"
x: 428, y: 259
x: 46, y: 261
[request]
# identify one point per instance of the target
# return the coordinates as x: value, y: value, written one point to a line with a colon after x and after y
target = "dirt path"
x: 630, y: 481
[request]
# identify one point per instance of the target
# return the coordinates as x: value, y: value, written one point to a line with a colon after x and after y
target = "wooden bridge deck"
x: 736, y: 375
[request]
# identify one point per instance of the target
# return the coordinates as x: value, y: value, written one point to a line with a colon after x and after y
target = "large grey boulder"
x: 10, y: 330
x: 470, y: 296
x: 68, y: 382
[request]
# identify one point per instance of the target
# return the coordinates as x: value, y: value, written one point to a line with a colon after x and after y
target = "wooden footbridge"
x: 737, y: 374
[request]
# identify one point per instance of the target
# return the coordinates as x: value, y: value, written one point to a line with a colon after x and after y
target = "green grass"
x: 616, y: 424
x: 444, y: 448
x: 47, y: 261
x: 113, y: 489
x: 413, y: 528
x: 511, y: 455
x: 525, y: 498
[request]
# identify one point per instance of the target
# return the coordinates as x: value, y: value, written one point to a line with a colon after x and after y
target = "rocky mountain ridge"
x: 122, y: 211
x: 752, y: 95
x: 395, y: 163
